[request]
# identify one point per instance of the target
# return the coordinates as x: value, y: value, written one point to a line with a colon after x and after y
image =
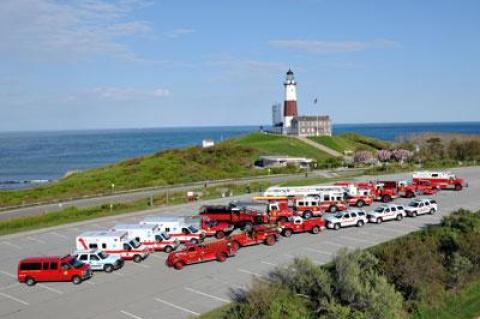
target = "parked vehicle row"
x: 187, y: 239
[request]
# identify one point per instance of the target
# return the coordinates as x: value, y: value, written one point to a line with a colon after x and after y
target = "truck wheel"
x: 137, y: 258
x: 221, y: 257
x: 414, y: 214
x: 399, y: 217
x: 315, y: 230
x: 379, y: 220
x: 410, y: 194
x: 333, y: 208
x: 194, y: 241
x: 168, y: 249
x: 236, y: 245
x: 386, y: 198
x: 287, y: 232
x: 336, y: 226
x: 220, y: 234
x: 108, y: 268
x: 179, y: 265
x: 360, y: 203
x: 76, y: 280
x: 458, y: 187
x: 432, y: 211
x: 360, y: 223
x: 270, y: 240
x: 29, y: 281
x: 307, y: 214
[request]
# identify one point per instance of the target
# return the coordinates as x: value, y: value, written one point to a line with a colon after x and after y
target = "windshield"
x: 192, y: 229
x: 75, y: 263
x: 379, y: 210
x: 102, y: 255
x: 338, y: 215
x: 134, y: 243
x: 166, y: 236
x: 413, y: 204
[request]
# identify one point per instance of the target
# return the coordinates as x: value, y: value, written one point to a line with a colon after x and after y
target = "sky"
x: 96, y: 64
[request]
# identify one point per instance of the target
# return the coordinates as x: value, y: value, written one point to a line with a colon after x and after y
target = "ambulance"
x: 176, y: 227
x: 112, y: 242
x: 150, y: 236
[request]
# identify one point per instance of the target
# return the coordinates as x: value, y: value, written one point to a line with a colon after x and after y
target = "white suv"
x: 346, y: 218
x: 421, y: 206
x: 386, y: 212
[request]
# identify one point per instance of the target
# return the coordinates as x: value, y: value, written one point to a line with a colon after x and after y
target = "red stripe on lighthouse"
x: 290, y: 108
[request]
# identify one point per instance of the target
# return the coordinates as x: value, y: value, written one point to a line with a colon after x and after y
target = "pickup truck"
x: 215, y: 228
x: 299, y: 225
x: 218, y: 250
x: 260, y: 234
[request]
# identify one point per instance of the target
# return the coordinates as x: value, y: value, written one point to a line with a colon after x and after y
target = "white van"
x: 150, y: 236
x: 112, y: 242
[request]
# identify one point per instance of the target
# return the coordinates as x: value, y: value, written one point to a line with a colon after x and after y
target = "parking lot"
x: 152, y: 290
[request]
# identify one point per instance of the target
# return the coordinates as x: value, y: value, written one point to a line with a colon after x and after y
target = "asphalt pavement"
x: 152, y: 290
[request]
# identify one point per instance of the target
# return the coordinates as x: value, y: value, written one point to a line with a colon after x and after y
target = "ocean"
x: 31, y: 158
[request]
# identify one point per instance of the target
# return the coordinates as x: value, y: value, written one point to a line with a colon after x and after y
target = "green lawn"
x: 269, y: 144
x: 350, y: 142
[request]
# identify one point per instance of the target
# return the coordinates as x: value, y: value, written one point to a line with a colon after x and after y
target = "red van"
x: 37, y: 269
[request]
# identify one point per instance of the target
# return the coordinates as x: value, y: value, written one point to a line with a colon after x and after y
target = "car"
x: 343, y: 219
x: 100, y: 260
x: 386, y: 212
x: 299, y: 225
x: 421, y: 207
x: 42, y: 269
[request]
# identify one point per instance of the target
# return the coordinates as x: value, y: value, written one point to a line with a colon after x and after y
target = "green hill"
x: 230, y: 159
x: 351, y: 142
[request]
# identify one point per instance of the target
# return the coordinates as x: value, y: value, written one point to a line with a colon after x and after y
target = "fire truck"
x: 260, y: 234
x: 215, y: 228
x: 357, y: 194
x: 299, y: 225
x: 442, y: 180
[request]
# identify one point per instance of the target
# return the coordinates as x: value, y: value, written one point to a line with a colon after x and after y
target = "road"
x: 141, y: 194
x: 151, y: 290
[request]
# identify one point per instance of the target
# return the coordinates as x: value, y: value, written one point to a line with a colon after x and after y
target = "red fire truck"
x: 260, y: 234
x: 441, y: 180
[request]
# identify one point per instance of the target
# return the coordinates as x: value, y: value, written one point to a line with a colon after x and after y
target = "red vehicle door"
x: 55, y: 273
x: 193, y: 255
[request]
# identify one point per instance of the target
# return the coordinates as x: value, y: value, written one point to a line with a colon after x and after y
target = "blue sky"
x: 134, y: 63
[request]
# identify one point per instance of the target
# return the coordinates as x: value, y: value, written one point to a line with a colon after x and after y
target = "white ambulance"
x: 112, y: 242
x: 150, y: 236
x: 176, y: 227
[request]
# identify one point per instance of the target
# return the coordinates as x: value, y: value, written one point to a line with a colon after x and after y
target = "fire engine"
x: 218, y: 250
x: 112, y: 242
x: 357, y: 194
x: 176, y: 227
x: 150, y: 236
x: 442, y: 180
x: 259, y: 234
x: 215, y: 228
x: 299, y: 225
x: 239, y: 217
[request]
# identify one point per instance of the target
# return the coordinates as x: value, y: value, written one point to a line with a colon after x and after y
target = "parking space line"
x: 50, y: 289
x: 58, y: 235
x: 177, y: 307
x: 8, y: 274
x: 268, y: 263
x: 206, y: 295
x: 329, y: 254
x: 10, y: 244
x: 256, y: 275
x: 10, y: 286
x: 36, y: 240
x: 131, y: 315
x: 23, y: 302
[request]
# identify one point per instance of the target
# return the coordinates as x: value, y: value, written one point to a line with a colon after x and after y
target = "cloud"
x: 129, y: 94
x: 178, y: 33
x: 50, y: 30
x: 326, y: 47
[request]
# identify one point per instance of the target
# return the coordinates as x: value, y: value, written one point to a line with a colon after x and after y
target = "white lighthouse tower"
x: 290, y: 104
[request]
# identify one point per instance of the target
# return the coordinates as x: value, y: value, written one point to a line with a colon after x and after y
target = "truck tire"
x: 108, y: 268
x: 236, y: 245
x: 179, y: 265
x: 287, y: 232
x: 168, y: 249
x: 29, y: 281
x: 221, y: 257
x: 76, y: 280
x: 360, y: 223
x: 307, y: 214
x: 270, y: 240
x: 194, y: 241
x: 315, y: 230
x: 399, y: 217
x: 336, y: 226
x: 333, y: 209
x: 432, y: 211
x: 410, y: 194
x: 360, y: 203
x: 379, y: 220
x: 137, y: 258
x: 458, y: 187
x: 220, y: 234
x: 414, y: 214
x: 386, y: 198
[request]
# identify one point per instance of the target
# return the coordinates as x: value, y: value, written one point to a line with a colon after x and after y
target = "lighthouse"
x: 290, y: 104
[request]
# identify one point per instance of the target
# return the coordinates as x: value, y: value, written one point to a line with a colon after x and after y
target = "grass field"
x: 350, y: 142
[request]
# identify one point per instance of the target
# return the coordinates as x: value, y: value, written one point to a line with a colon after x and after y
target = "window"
x: 83, y: 257
x: 45, y: 266
x: 394, y: 209
x: 346, y: 216
x: 94, y: 258
x: 137, y: 239
x: 434, y: 175
x: 387, y: 210
x: 65, y: 266
x: 361, y: 214
x: 53, y: 266
x: 191, y: 249
x: 421, y: 205
x: 31, y: 266
x: 104, y: 246
x: 127, y: 247
x: 353, y: 215
x: 300, y: 204
x: 185, y: 231
x: 167, y: 229
x: 92, y: 246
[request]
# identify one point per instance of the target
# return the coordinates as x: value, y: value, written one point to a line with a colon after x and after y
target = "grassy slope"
x: 231, y: 159
x: 350, y: 141
x: 280, y: 145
